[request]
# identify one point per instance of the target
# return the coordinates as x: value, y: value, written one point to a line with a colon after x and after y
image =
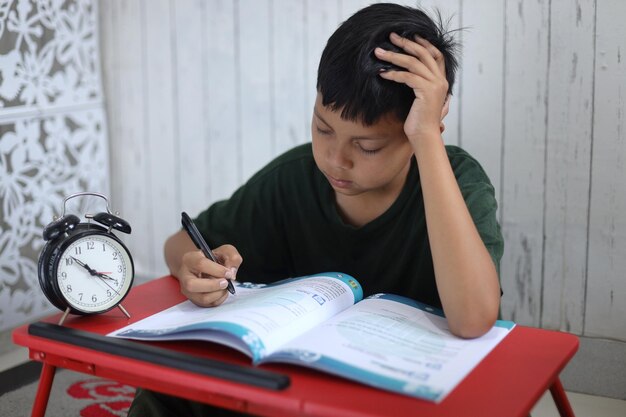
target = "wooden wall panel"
x: 322, y: 19
x: 347, y: 8
x: 200, y: 94
x: 222, y: 101
x: 481, y: 80
x: 605, y: 307
x: 288, y: 106
x: 522, y: 205
x: 127, y: 100
x: 190, y: 112
x: 161, y: 138
x: 254, y: 77
x: 570, y: 101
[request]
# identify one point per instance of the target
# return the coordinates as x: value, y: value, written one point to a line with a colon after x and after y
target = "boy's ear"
x: 444, y: 113
x: 446, y: 107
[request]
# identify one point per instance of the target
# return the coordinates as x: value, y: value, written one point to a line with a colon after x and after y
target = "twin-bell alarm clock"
x: 83, y: 267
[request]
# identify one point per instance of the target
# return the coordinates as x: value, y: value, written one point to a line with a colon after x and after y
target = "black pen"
x: 200, y: 243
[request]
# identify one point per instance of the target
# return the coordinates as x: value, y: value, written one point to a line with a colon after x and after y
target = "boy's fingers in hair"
x: 419, y: 86
x: 434, y: 52
x: 410, y: 63
x: 417, y: 50
x: 402, y: 77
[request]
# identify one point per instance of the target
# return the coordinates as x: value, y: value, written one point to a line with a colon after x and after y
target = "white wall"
x: 200, y: 94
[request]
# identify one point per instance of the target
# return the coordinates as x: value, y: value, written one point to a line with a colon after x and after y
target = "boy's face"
x: 358, y: 160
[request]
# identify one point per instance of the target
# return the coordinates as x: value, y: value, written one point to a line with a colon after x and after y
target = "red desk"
x: 508, y: 382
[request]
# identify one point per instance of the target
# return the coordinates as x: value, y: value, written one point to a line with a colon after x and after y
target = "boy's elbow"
x: 471, y: 331
x: 473, y: 326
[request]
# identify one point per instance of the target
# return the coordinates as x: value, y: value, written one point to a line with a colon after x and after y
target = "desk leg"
x: 43, y: 390
x: 561, y: 400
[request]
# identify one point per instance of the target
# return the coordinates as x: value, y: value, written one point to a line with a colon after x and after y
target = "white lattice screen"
x: 52, y: 134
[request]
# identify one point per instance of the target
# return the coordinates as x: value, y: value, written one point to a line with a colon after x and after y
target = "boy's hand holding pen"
x: 196, y: 263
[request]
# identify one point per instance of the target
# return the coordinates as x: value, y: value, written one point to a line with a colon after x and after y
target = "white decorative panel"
x: 48, y: 54
x: 52, y: 135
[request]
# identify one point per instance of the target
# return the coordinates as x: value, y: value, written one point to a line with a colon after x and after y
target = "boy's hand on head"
x: 203, y: 281
x: 426, y: 75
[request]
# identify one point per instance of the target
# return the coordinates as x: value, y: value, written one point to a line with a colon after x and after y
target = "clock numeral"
x: 90, y: 245
x: 68, y: 261
x: 104, y: 248
x: 77, y: 250
x: 80, y: 296
x: 109, y: 294
x: 68, y: 288
x: 63, y: 275
x: 115, y: 256
x: 94, y: 298
x: 119, y: 268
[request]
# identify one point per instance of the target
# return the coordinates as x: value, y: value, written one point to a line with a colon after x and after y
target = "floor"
x: 583, y: 405
x: 13, y: 358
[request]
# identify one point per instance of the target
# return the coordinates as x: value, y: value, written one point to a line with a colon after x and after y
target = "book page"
x: 259, y: 319
x: 393, y: 343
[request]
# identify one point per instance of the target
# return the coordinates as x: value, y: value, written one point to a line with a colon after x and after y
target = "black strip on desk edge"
x: 160, y: 356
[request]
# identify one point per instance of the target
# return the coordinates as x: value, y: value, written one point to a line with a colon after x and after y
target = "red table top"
x: 508, y: 382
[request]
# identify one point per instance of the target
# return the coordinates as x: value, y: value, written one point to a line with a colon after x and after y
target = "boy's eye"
x: 322, y: 131
x: 369, y: 151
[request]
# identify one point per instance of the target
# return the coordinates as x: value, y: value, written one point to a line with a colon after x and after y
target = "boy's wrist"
x: 425, y: 140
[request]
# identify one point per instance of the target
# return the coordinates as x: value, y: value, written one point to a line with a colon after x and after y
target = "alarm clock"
x: 84, y: 268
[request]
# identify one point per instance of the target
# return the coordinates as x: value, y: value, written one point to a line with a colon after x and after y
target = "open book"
x: 322, y: 321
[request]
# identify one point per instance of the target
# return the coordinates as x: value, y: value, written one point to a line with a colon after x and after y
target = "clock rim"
x: 45, y: 282
x: 81, y: 231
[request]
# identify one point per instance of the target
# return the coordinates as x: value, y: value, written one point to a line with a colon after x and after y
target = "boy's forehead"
x: 330, y: 115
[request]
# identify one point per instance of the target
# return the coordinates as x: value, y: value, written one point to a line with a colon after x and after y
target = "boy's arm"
x: 201, y: 280
x: 467, y: 280
x: 465, y: 273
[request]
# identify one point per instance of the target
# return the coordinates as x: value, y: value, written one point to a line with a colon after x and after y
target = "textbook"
x: 322, y: 321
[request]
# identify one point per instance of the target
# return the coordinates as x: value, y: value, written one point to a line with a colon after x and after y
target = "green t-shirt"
x: 284, y: 222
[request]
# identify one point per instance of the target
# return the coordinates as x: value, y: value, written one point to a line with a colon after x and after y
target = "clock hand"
x: 107, y: 284
x: 84, y: 265
x: 105, y: 276
x: 92, y: 271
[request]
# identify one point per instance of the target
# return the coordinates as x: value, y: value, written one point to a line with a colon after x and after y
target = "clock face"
x: 94, y: 273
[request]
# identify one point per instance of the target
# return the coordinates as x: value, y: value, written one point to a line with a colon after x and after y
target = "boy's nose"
x: 339, y: 157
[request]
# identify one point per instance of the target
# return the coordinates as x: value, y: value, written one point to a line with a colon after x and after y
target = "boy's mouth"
x: 338, y: 183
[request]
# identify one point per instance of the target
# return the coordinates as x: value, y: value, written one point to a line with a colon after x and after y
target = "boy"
x: 376, y: 194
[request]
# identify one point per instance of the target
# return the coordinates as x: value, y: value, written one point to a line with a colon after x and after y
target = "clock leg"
x: 121, y: 307
x: 64, y: 316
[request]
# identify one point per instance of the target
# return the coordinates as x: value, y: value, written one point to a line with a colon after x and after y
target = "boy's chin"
x: 347, y: 192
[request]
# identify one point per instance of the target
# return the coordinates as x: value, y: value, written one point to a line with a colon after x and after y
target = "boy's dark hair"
x: 347, y: 77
